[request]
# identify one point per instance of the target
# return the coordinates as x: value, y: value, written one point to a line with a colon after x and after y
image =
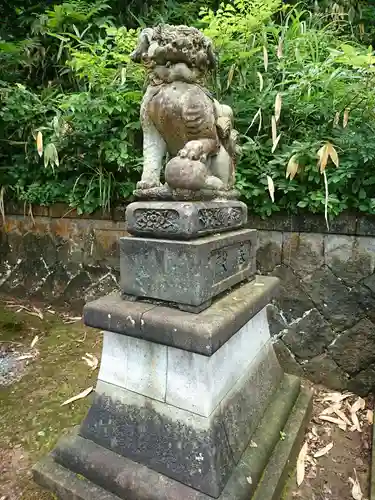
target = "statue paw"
x: 148, y: 184
x: 193, y: 150
x: 214, y: 183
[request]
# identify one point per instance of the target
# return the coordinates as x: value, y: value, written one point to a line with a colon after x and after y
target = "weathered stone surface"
x: 186, y: 273
x: 270, y: 245
x: 332, y: 298
x: 364, y: 382
x: 369, y: 282
x: 303, y: 252
x: 286, y: 359
x: 292, y: 301
x: 184, y: 220
x: 211, y: 378
x: 135, y: 364
x: 281, y: 464
x: 243, y: 407
x: 353, y: 349
x: 311, y: 223
x: 351, y: 259
x: 276, y: 321
x: 274, y: 223
x: 89, y: 471
x: 323, y: 370
x: 365, y: 299
x: 202, y: 333
x: 197, y: 450
x: 308, y: 336
x: 366, y: 225
x: 159, y: 372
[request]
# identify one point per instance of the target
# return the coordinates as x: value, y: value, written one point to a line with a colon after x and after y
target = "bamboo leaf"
x: 258, y: 114
x: 275, y: 143
x: 301, y: 464
x: 81, y: 395
x: 323, y: 451
x: 274, y: 129
x: 230, y: 75
x: 265, y: 58
x: 356, y: 487
x: 39, y: 143
x: 345, y: 118
x: 292, y: 167
x: 271, y: 188
x: 333, y: 154
x: 323, y: 154
x: 278, y: 102
x: 261, y: 82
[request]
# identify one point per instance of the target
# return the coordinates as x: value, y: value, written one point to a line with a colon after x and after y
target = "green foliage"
x: 66, y: 73
x: 317, y: 77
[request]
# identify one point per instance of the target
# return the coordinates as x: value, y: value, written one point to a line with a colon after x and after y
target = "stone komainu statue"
x: 179, y: 117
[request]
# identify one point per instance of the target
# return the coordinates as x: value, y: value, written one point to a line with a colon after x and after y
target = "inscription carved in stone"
x: 230, y: 260
x: 219, y: 217
x: 153, y: 220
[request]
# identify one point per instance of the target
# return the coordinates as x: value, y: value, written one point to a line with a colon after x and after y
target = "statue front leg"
x: 154, y: 146
x: 154, y: 150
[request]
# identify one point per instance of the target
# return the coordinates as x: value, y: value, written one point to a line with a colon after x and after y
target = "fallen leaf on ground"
x: 72, y: 319
x: 360, y: 404
x: 24, y: 356
x: 91, y: 360
x: 37, y: 312
x: 301, y: 464
x: 343, y: 417
x: 323, y: 451
x: 34, y: 341
x: 356, y: 424
x: 331, y: 409
x: 356, y: 488
x: 333, y: 420
x: 370, y: 417
x: 336, y: 397
x: 81, y: 395
x: 314, y: 431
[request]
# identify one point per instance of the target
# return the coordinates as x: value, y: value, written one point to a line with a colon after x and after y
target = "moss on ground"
x: 31, y: 415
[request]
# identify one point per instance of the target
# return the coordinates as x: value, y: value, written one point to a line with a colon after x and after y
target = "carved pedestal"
x: 188, y: 405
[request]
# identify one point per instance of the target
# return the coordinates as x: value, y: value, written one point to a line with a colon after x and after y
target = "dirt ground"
x: 31, y: 415
x: 32, y: 418
x: 328, y: 477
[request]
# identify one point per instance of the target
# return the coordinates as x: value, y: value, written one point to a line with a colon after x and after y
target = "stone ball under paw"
x: 183, y: 173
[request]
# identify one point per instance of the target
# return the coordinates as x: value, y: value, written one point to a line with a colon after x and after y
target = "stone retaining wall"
x: 323, y: 322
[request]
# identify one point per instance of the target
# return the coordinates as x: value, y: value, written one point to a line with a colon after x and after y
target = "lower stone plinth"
x: 80, y: 469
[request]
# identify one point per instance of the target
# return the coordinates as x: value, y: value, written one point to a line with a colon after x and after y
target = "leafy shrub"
x: 319, y: 79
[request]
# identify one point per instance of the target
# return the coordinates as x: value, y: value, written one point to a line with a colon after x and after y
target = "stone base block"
x: 184, y: 220
x: 185, y: 379
x: 166, y: 193
x: 202, y: 333
x: 188, y: 273
x: 80, y: 469
x: 196, y: 443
